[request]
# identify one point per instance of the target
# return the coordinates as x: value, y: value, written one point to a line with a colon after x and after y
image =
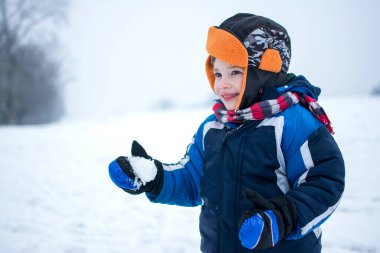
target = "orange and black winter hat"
x: 259, y: 45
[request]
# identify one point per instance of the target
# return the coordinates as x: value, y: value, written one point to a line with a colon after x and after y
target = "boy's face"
x: 228, y: 83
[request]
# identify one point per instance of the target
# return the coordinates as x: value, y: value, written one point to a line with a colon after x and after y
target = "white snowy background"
x: 56, y: 195
x: 123, y: 50
x: 55, y: 192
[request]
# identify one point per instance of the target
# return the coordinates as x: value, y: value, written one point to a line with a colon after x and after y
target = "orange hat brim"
x: 227, y: 48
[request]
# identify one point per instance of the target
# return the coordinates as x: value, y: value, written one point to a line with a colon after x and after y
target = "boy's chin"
x: 230, y: 106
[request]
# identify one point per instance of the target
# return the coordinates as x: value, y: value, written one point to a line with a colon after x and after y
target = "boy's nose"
x: 225, y: 84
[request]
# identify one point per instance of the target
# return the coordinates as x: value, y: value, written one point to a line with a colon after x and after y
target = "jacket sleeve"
x: 182, y: 179
x: 315, y: 170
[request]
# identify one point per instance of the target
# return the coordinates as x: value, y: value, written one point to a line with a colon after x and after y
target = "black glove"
x: 268, y: 223
x: 129, y: 173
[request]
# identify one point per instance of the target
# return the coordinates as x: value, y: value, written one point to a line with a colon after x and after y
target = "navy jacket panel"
x: 291, y: 153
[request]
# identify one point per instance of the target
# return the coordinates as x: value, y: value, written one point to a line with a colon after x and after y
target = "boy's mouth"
x: 229, y: 97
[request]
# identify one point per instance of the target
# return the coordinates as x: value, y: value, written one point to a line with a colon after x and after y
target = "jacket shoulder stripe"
x: 307, y: 160
x: 282, y: 177
x: 207, y: 127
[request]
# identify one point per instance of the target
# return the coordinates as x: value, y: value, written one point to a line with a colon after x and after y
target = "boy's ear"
x: 271, y: 61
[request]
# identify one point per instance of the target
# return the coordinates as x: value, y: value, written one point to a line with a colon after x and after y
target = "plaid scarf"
x: 268, y: 108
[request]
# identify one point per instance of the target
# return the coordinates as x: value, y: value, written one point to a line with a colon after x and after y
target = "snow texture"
x: 56, y: 194
x: 144, y: 169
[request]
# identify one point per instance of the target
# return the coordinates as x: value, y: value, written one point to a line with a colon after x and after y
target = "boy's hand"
x: 122, y: 174
x: 138, y: 173
x: 268, y: 223
x: 259, y: 231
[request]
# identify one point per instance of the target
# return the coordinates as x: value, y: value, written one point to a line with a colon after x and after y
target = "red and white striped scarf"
x: 268, y: 108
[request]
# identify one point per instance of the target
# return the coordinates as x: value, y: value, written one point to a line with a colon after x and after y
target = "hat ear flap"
x: 271, y: 61
x: 210, y: 72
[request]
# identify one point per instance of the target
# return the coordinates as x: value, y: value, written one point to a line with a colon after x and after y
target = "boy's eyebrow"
x: 229, y: 67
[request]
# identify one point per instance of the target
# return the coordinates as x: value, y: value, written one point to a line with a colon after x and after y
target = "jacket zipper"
x: 230, y: 132
x: 228, y: 135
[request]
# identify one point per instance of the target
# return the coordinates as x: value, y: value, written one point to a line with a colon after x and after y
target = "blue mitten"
x: 121, y: 178
x: 268, y: 223
x: 133, y: 179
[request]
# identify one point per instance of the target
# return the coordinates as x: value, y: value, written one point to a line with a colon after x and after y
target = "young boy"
x: 264, y: 166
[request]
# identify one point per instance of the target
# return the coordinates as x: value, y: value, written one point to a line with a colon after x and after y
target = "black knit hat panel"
x: 243, y: 24
x: 228, y: 23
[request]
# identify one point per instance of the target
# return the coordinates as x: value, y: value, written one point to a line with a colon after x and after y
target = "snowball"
x: 144, y: 169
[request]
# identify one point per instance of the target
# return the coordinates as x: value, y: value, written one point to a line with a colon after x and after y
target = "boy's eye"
x: 217, y: 74
x: 236, y: 72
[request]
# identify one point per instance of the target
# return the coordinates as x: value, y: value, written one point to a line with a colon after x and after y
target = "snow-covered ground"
x: 56, y: 195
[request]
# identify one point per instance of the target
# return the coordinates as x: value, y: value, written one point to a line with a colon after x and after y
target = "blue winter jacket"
x: 290, y: 153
